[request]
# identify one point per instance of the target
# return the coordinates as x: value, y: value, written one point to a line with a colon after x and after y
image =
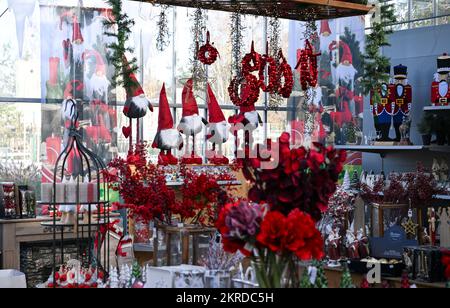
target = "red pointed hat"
x: 215, y: 113
x: 100, y: 67
x: 346, y: 52
x: 325, y: 27
x: 190, y: 107
x: 165, y: 120
x: 136, y: 89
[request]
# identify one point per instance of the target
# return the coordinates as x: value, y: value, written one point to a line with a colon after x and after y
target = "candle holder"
x: 78, y: 180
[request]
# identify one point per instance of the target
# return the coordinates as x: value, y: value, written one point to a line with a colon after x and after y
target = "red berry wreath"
x: 249, y: 93
x: 247, y: 66
x: 285, y: 70
x: 207, y: 54
x: 272, y: 74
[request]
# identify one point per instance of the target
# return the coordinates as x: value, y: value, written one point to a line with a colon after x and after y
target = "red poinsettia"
x: 304, y: 179
x: 295, y: 234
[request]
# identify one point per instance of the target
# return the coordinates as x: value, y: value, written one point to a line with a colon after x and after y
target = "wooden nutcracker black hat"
x: 400, y: 72
x: 443, y: 64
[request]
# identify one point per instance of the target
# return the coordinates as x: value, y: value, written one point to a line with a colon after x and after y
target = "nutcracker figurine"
x: 382, y: 109
x: 440, y: 91
x: 401, y: 98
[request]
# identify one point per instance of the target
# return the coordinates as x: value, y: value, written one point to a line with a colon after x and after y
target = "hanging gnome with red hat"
x: 136, y: 104
x: 97, y: 87
x: 167, y: 137
x: 218, y: 129
x: 70, y: 17
x: 191, y: 122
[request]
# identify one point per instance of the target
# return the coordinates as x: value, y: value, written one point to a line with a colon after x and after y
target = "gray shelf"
x: 383, y: 150
x: 380, y: 149
x: 436, y: 108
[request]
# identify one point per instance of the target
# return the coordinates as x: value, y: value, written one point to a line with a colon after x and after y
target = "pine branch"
x: 120, y: 29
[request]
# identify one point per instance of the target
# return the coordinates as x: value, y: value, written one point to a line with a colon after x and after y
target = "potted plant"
x: 425, y: 128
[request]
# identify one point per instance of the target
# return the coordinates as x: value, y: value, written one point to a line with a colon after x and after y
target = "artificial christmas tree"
x: 136, y: 272
x: 305, y: 281
x: 321, y: 280
x: 346, y: 280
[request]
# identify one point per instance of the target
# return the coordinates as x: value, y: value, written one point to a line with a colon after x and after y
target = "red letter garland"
x: 249, y: 90
x: 254, y: 57
x: 308, y: 66
x: 285, y: 70
x: 207, y: 49
x: 273, y: 74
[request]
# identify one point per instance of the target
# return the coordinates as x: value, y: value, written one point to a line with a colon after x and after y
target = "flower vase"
x: 218, y: 279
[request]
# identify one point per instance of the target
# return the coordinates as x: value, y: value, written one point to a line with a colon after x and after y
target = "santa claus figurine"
x: 218, y: 129
x: 97, y: 86
x: 382, y: 108
x: 191, y: 123
x: 401, y: 98
x: 440, y: 90
x: 333, y: 243
x: 167, y: 137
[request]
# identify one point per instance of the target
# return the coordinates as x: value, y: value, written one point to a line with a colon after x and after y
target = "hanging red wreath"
x: 272, y: 86
x: 285, y: 71
x: 207, y: 54
x: 308, y: 66
x: 252, y: 57
x: 249, y: 94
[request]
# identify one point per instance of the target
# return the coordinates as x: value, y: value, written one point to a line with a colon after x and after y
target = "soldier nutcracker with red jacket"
x: 440, y: 90
x: 382, y: 108
x: 401, y: 98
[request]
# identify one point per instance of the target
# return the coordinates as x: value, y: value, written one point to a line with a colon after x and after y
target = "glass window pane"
x: 443, y: 8
x: 422, y: 9
x: 401, y: 8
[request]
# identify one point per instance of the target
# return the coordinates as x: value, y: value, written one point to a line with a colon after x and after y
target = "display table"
x: 334, y: 276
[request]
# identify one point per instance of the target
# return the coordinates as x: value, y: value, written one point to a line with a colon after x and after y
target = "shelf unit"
x: 384, y: 150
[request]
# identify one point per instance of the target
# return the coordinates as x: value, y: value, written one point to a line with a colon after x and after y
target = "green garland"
x: 123, y: 25
x: 374, y: 62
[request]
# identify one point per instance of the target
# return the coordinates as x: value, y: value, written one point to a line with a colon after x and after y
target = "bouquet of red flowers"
x: 202, y: 196
x: 142, y: 186
x: 304, y: 179
x: 272, y: 239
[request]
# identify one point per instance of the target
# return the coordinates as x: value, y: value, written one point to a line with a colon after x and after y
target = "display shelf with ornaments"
x: 382, y: 150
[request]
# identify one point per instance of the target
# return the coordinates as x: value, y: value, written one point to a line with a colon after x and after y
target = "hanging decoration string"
x: 198, y: 28
x: 275, y: 100
x: 237, y: 36
x: 163, y: 37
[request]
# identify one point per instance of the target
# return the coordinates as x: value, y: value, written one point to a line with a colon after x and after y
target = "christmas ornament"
x: 207, y: 54
x: 251, y: 61
x: 285, y: 72
x: 308, y: 66
x: 272, y: 77
x: 249, y: 94
x: 409, y: 226
x: 22, y: 9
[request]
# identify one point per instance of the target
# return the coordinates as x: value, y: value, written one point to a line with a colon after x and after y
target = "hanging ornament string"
x: 197, y: 29
x: 284, y: 72
x: 237, y: 30
x: 207, y: 54
x: 162, y: 39
x: 275, y: 100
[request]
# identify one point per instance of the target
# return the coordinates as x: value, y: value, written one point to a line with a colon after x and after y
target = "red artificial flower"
x: 273, y: 231
x: 446, y: 263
